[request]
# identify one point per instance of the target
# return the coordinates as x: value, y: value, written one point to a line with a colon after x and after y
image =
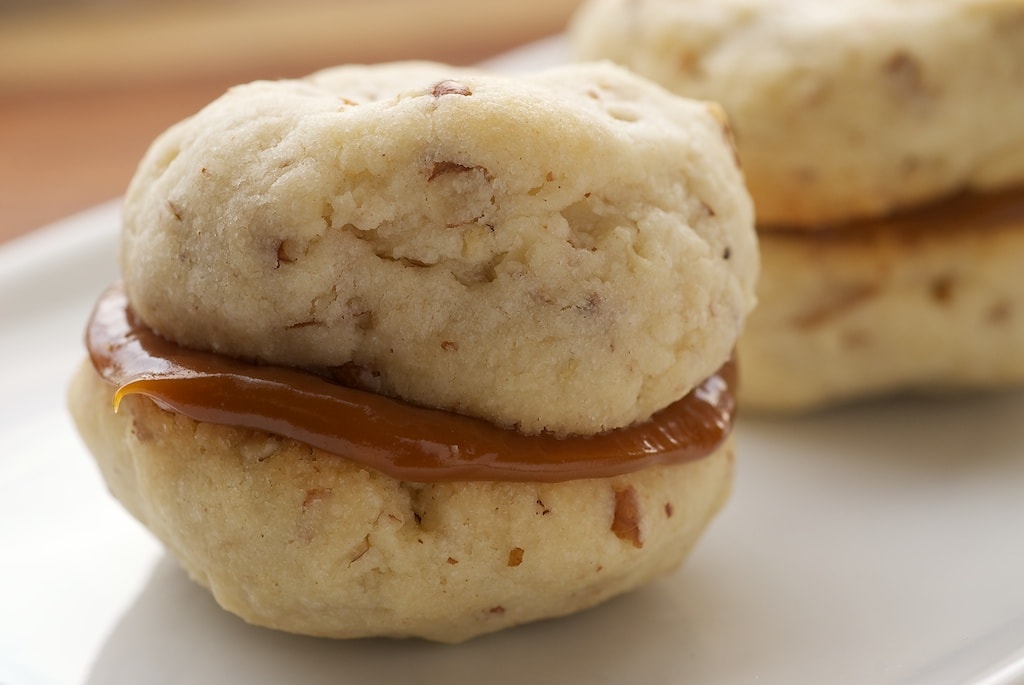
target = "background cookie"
x: 890, y: 305
x: 300, y: 540
x: 885, y: 95
x: 568, y: 251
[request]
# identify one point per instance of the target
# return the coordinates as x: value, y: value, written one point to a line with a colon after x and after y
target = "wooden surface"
x: 84, y: 90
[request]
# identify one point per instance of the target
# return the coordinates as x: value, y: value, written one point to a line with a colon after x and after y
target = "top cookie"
x: 843, y: 109
x: 568, y: 251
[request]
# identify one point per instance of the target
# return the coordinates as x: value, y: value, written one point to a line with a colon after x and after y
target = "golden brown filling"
x: 966, y: 211
x: 404, y: 441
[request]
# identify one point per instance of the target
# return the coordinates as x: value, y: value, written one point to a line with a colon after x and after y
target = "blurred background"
x: 85, y: 85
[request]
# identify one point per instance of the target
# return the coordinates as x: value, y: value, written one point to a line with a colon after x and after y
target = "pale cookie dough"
x: 883, y: 309
x: 300, y: 540
x: 842, y: 109
x: 568, y: 251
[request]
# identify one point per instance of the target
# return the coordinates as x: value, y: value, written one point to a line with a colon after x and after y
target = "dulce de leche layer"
x: 401, y: 440
x: 966, y: 211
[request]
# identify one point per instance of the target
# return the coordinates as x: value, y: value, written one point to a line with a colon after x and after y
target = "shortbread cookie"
x: 563, y: 252
x: 843, y: 109
x: 301, y: 540
x: 925, y: 302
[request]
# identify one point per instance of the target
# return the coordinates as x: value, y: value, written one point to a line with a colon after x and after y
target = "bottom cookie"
x: 925, y: 302
x: 293, y: 538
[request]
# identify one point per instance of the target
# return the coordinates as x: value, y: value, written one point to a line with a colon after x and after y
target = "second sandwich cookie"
x: 883, y: 143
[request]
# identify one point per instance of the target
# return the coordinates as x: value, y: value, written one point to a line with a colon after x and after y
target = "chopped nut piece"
x: 904, y: 72
x: 447, y: 168
x: 449, y: 87
x: 313, y: 496
x: 942, y: 289
x: 999, y: 312
x: 175, y: 208
x: 626, y: 520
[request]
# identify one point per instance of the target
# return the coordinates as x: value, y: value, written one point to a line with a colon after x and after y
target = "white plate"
x: 875, y: 545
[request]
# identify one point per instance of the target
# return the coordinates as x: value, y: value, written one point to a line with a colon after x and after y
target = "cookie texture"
x: 567, y: 251
x: 300, y: 540
x: 889, y: 307
x: 842, y: 110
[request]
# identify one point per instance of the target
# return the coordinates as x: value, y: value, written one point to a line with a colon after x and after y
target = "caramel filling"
x: 966, y: 211
x: 403, y: 441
